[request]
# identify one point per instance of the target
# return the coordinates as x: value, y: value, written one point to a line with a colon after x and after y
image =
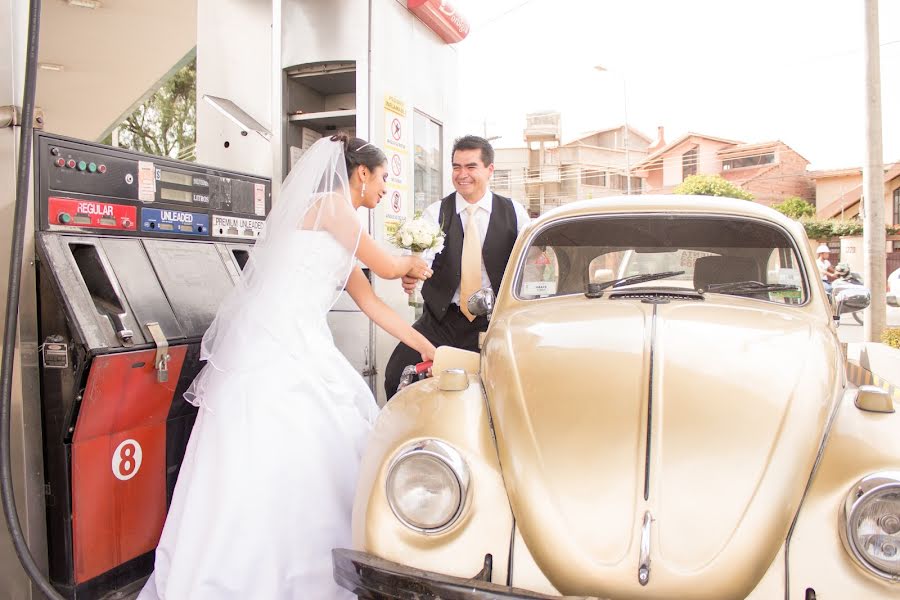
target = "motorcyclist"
x: 826, y: 271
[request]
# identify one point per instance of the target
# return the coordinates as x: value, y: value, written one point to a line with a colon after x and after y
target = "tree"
x: 711, y: 185
x: 166, y: 123
x: 795, y: 207
x: 823, y: 229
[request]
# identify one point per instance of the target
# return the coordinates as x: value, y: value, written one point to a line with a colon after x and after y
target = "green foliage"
x: 891, y: 337
x: 821, y: 229
x: 711, y: 185
x: 795, y: 207
x: 165, y: 124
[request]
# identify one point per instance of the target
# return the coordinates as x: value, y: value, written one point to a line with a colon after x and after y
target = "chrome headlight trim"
x: 860, y: 494
x: 452, y: 459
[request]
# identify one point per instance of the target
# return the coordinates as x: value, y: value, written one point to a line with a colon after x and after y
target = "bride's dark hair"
x: 359, y: 152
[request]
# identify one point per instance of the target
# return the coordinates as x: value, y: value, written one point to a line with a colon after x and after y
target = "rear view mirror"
x: 852, y: 300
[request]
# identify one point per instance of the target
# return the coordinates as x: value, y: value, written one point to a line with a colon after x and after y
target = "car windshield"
x: 712, y: 254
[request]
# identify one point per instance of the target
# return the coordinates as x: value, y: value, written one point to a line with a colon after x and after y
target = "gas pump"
x: 135, y: 254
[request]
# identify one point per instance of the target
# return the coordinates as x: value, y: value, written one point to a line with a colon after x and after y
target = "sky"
x: 789, y: 70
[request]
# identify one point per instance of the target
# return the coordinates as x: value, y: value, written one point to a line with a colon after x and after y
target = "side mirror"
x: 852, y: 300
x: 893, y: 300
x: 481, y: 303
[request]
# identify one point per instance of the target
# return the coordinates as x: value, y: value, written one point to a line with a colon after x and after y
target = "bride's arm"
x: 344, y: 225
x: 362, y: 293
x: 387, y: 266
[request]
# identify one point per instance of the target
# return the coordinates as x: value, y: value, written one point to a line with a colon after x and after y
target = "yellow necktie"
x: 470, y: 277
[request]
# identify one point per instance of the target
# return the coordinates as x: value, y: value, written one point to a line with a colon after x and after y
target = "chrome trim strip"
x: 809, y: 482
x: 510, y: 558
x: 644, y: 567
x: 649, y: 408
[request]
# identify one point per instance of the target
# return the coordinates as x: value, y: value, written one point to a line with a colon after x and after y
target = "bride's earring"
x: 362, y: 193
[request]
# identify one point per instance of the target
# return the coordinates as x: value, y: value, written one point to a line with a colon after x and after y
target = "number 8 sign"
x: 126, y: 460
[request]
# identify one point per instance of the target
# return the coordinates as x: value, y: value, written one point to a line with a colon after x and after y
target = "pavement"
x: 850, y: 331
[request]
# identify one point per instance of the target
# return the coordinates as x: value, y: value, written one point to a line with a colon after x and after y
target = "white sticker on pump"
x: 126, y: 459
x: 259, y: 199
x: 146, y: 181
x: 238, y: 228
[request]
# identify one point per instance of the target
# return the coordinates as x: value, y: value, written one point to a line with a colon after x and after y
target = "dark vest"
x: 498, y: 244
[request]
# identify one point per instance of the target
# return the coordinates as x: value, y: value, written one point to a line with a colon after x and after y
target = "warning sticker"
x: 391, y: 225
x: 259, y: 199
x: 146, y: 181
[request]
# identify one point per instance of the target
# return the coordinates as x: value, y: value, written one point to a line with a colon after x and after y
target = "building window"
x: 593, y: 177
x: 896, y: 206
x: 428, y: 172
x: 636, y: 185
x: 501, y: 179
x: 688, y: 164
x: 619, y: 183
x: 748, y: 161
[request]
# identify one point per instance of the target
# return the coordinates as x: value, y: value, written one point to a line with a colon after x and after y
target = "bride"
x: 267, y: 482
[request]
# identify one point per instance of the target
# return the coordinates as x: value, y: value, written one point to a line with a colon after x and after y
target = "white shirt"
x: 823, y: 264
x: 483, y: 218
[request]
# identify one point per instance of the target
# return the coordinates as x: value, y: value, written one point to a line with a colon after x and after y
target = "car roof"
x: 665, y: 203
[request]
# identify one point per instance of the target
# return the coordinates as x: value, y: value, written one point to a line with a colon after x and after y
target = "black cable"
x: 12, y: 308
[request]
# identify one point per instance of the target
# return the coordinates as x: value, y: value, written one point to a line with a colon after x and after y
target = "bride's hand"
x: 418, y: 268
x: 428, y: 353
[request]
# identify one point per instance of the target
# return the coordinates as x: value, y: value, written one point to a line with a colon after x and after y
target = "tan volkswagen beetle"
x: 659, y: 410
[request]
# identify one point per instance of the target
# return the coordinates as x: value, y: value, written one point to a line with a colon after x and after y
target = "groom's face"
x: 470, y: 175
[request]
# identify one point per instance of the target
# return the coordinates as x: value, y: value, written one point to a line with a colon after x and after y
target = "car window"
x: 737, y: 256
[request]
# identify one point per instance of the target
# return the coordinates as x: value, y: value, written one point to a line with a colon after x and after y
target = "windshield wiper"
x: 595, y: 290
x: 740, y: 288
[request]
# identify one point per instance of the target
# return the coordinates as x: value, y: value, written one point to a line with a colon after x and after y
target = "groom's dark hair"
x: 359, y: 152
x: 473, y: 142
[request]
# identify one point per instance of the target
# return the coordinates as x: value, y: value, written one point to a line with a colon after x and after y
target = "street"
x: 851, y: 331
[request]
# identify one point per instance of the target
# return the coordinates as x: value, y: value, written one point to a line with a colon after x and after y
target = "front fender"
x: 459, y: 418
x: 861, y: 443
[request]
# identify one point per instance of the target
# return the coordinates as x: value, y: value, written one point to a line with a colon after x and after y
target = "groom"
x: 480, y: 229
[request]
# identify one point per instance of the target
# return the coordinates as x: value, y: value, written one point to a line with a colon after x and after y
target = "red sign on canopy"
x: 442, y: 17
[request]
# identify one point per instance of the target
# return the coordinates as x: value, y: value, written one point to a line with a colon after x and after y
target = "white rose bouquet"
x: 419, y: 235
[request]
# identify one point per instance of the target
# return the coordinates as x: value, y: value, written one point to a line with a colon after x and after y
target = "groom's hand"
x: 409, y: 283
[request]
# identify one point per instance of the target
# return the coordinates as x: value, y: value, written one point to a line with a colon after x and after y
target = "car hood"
x: 731, y: 395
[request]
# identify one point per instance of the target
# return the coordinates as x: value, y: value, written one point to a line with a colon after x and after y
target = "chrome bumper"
x: 372, y: 578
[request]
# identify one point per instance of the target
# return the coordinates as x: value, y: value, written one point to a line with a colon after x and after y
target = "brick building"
x: 771, y: 171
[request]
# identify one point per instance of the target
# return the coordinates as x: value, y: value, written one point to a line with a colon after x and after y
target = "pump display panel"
x: 88, y: 188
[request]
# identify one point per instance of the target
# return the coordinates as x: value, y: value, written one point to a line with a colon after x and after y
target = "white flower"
x: 418, y: 235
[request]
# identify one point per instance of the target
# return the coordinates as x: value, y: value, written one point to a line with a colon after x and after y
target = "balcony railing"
x: 545, y: 174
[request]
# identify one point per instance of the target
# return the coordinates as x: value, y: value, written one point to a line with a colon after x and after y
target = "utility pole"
x: 602, y: 69
x: 627, y: 161
x: 874, y: 237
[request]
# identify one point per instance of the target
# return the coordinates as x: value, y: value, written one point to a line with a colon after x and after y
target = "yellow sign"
x: 395, y: 105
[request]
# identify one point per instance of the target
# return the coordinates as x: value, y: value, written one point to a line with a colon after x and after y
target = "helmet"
x: 842, y: 269
x: 823, y: 248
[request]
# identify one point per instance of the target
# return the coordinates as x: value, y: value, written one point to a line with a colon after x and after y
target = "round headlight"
x: 872, y: 524
x: 427, y: 484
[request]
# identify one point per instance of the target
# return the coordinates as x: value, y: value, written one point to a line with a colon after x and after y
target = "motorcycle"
x: 847, y: 279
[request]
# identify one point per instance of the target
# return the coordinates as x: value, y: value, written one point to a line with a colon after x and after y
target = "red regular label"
x: 68, y: 212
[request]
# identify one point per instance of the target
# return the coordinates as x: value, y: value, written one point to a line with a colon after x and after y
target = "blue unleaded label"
x: 161, y: 220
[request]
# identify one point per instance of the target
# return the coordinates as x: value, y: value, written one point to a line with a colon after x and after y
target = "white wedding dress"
x: 267, y: 483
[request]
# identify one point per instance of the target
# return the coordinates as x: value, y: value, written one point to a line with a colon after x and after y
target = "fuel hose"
x: 12, y: 308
